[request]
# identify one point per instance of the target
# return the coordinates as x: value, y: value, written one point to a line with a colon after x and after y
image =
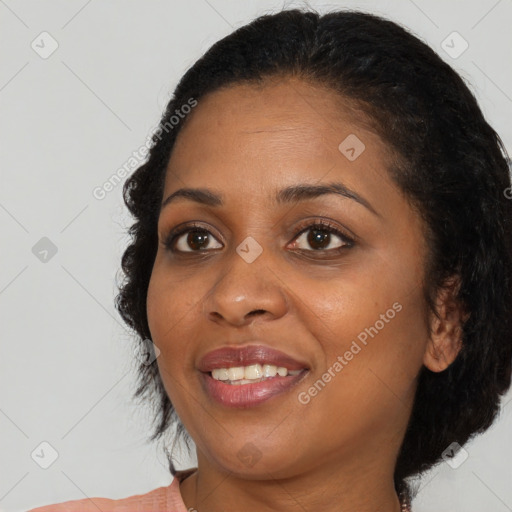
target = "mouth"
x: 249, y: 375
x: 244, y: 393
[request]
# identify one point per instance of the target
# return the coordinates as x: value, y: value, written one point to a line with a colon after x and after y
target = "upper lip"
x: 229, y: 356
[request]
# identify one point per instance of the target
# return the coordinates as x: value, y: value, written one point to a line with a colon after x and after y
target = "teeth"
x: 255, y: 371
x: 236, y: 373
x: 282, y: 371
x: 252, y: 373
x: 221, y: 374
x: 269, y: 370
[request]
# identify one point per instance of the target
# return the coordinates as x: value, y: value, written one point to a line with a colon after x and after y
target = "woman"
x: 322, y: 258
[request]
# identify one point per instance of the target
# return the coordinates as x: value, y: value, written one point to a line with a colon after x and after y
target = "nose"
x: 245, y: 291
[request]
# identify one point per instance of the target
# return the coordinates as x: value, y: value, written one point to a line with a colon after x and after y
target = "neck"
x: 329, y: 488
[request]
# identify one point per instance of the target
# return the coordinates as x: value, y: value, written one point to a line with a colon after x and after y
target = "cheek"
x: 372, y: 346
x: 170, y: 299
x: 374, y: 322
x: 172, y: 308
x: 165, y: 308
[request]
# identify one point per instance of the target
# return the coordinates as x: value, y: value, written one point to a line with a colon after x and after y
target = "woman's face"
x: 347, y: 307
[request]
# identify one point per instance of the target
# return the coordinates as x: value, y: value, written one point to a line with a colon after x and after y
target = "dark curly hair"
x: 448, y: 161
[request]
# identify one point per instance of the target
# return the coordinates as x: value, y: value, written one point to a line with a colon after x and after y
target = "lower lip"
x: 249, y: 395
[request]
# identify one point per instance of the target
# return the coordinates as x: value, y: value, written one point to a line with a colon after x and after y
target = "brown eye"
x: 322, y: 237
x: 319, y: 238
x: 195, y: 240
x: 190, y: 239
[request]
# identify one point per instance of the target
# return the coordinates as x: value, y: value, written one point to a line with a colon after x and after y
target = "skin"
x: 337, y: 452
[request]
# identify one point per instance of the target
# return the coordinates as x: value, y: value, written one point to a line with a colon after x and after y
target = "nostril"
x: 257, y: 311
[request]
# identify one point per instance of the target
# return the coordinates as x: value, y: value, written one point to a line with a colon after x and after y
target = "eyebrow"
x: 294, y: 193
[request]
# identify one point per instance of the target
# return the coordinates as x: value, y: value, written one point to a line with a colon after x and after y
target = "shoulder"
x: 85, y: 505
x: 131, y: 503
x: 157, y: 499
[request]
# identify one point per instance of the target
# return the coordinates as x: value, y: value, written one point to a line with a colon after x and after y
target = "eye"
x: 197, y: 239
x: 319, y: 237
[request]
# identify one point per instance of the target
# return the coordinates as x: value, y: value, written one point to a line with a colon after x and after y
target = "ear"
x: 445, y: 339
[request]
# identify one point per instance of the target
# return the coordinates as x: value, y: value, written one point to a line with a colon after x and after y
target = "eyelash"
x: 323, y: 225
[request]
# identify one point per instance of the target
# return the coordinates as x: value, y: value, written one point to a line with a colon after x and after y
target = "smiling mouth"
x: 248, y: 375
x: 244, y: 393
x: 251, y: 374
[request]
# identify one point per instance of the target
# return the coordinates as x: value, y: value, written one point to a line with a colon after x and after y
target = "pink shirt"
x: 162, y: 499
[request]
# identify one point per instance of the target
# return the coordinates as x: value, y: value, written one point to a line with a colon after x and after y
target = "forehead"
x: 254, y: 136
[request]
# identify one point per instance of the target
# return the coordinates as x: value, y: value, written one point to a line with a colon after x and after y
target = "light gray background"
x: 68, y: 123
